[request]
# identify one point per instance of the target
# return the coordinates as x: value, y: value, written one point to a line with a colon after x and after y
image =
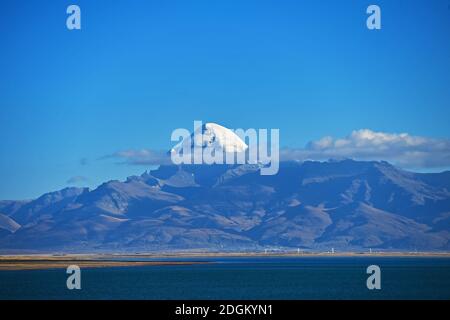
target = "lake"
x: 242, y: 278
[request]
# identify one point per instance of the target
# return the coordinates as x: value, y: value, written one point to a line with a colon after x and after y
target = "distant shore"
x: 55, y: 261
x: 43, y: 262
x: 286, y: 254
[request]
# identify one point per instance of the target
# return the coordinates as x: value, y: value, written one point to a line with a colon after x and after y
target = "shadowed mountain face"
x: 348, y: 205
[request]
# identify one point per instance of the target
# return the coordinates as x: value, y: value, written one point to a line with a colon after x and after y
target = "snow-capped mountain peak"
x: 212, y: 135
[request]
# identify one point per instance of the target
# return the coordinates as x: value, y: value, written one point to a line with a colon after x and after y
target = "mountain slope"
x: 348, y: 205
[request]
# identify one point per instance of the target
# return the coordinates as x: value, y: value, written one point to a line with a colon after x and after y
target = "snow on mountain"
x: 212, y: 135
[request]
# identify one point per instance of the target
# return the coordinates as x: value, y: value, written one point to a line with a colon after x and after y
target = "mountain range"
x: 347, y: 205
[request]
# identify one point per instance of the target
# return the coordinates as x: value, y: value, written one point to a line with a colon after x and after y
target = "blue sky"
x: 139, y: 69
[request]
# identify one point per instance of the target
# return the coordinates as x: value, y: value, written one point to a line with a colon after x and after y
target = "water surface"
x: 242, y: 278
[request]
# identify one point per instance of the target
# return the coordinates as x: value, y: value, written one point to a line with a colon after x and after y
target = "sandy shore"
x: 52, y: 262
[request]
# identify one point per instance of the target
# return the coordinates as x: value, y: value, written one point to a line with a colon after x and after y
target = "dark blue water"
x: 242, y: 278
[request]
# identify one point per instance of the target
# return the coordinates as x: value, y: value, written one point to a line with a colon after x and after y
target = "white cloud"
x: 77, y: 180
x: 141, y: 157
x: 401, y: 149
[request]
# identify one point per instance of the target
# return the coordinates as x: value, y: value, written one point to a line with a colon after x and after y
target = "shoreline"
x: 284, y: 254
x: 95, y: 260
x: 46, y: 264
